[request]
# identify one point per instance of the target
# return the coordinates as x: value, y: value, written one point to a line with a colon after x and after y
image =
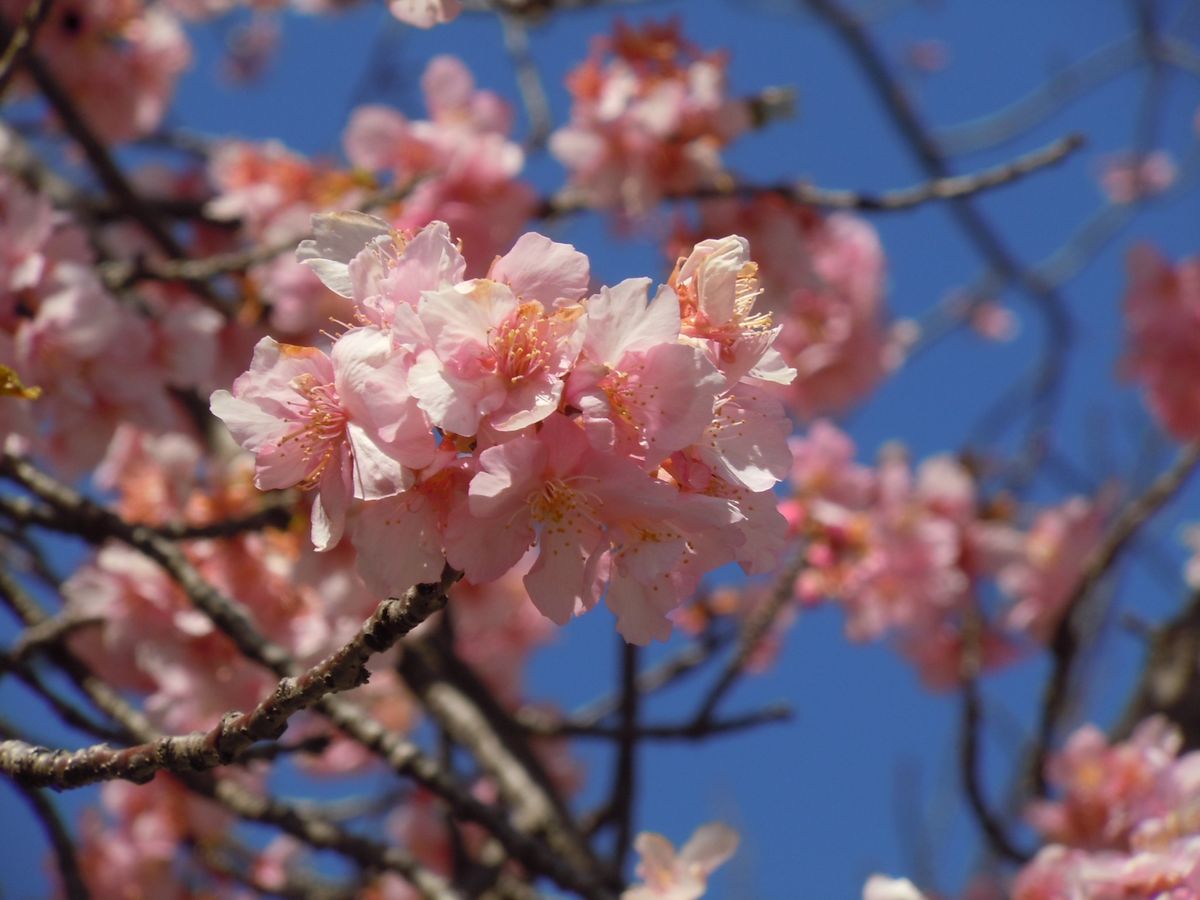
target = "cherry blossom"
x: 669, y: 875
x: 119, y: 59
x: 649, y: 117
x: 1162, y: 316
x: 425, y: 13
x: 822, y: 280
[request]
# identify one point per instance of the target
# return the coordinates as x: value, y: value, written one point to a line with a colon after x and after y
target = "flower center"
x: 521, y: 346
x: 324, y: 425
x: 560, y: 504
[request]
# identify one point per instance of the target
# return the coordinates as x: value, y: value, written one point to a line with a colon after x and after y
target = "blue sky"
x: 864, y: 779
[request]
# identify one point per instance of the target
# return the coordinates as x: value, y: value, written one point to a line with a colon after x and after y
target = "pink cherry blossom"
x: 596, y: 519
x: 130, y: 846
x: 822, y: 280
x: 336, y: 424
x: 717, y: 286
x: 1132, y: 177
x: 425, y: 13
x: 118, y: 59
x: 881, y: 887
x: 669, y: 875
x: 67, y: 349
x: 642, y: 392
x: 491, y: 357
x: 1056, y: 549
x: 1108, y: 790
x: 460, y: 162
x: 1162, y: 316
x: 649, y: 116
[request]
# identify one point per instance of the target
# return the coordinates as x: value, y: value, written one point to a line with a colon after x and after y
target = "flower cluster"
x: 460, y: 162
x: 458, y: 166
x: 467, y: 420
x: 908, y: 551
x: 61, y: 330
x: 649, y: 117
x: 1162, y: 316
x: 823, y: 280
x: 1126, y: 823
x: 117, y: 59
x: 130, y: 846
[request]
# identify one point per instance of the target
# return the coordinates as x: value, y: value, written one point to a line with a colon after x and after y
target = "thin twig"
x: 1065, y: 85
x: 620, y: 802
x: 945, y: 187
x: 542, y: 725
x: 653, y: 680
x: 529, y: 80
x: 1064, y: 644
x: 120, y: 274
x: 971, y: 739
x: 21, y: 42
x: 52, y: 631
x: 756, y: 627
x: 521, y: 783
x: 60, y: 839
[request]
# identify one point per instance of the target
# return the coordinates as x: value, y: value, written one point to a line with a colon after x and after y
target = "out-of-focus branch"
x: 1070, y: 82
x: 21, y: 41
x: 322, y: 834
x: 68, y: 714
x: 543, y: 725
x: 98, y: 156
x: 233, y: 862
x: 120, y: 274
x: 529, y: 81
x: 236, y: 732
x: 60, y: 839
x: 1047, y: 376
x: 663, y: 675
x: 971, y: 740
x: 275, y: 513
x: 1168, y: 683
x: 942, y: 188
x: 755, y: 628
x: 1064, y: 645
x: 51, y: 631
x: 620, y: 801
x: 523, y: 787
x: 81, y: 516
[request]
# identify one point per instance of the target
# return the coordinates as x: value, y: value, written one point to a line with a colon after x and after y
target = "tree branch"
x: 21, y: 42
x: 1064, y: 644
x: 236, y: 732
x: 945, y: 187
x: 60, y: 839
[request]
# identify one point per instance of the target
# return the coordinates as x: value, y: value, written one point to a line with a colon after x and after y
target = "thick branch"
x: 236, y: 732
x: 294, y: 819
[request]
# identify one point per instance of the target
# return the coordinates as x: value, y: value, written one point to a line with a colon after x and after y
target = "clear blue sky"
x: 865, y: 778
